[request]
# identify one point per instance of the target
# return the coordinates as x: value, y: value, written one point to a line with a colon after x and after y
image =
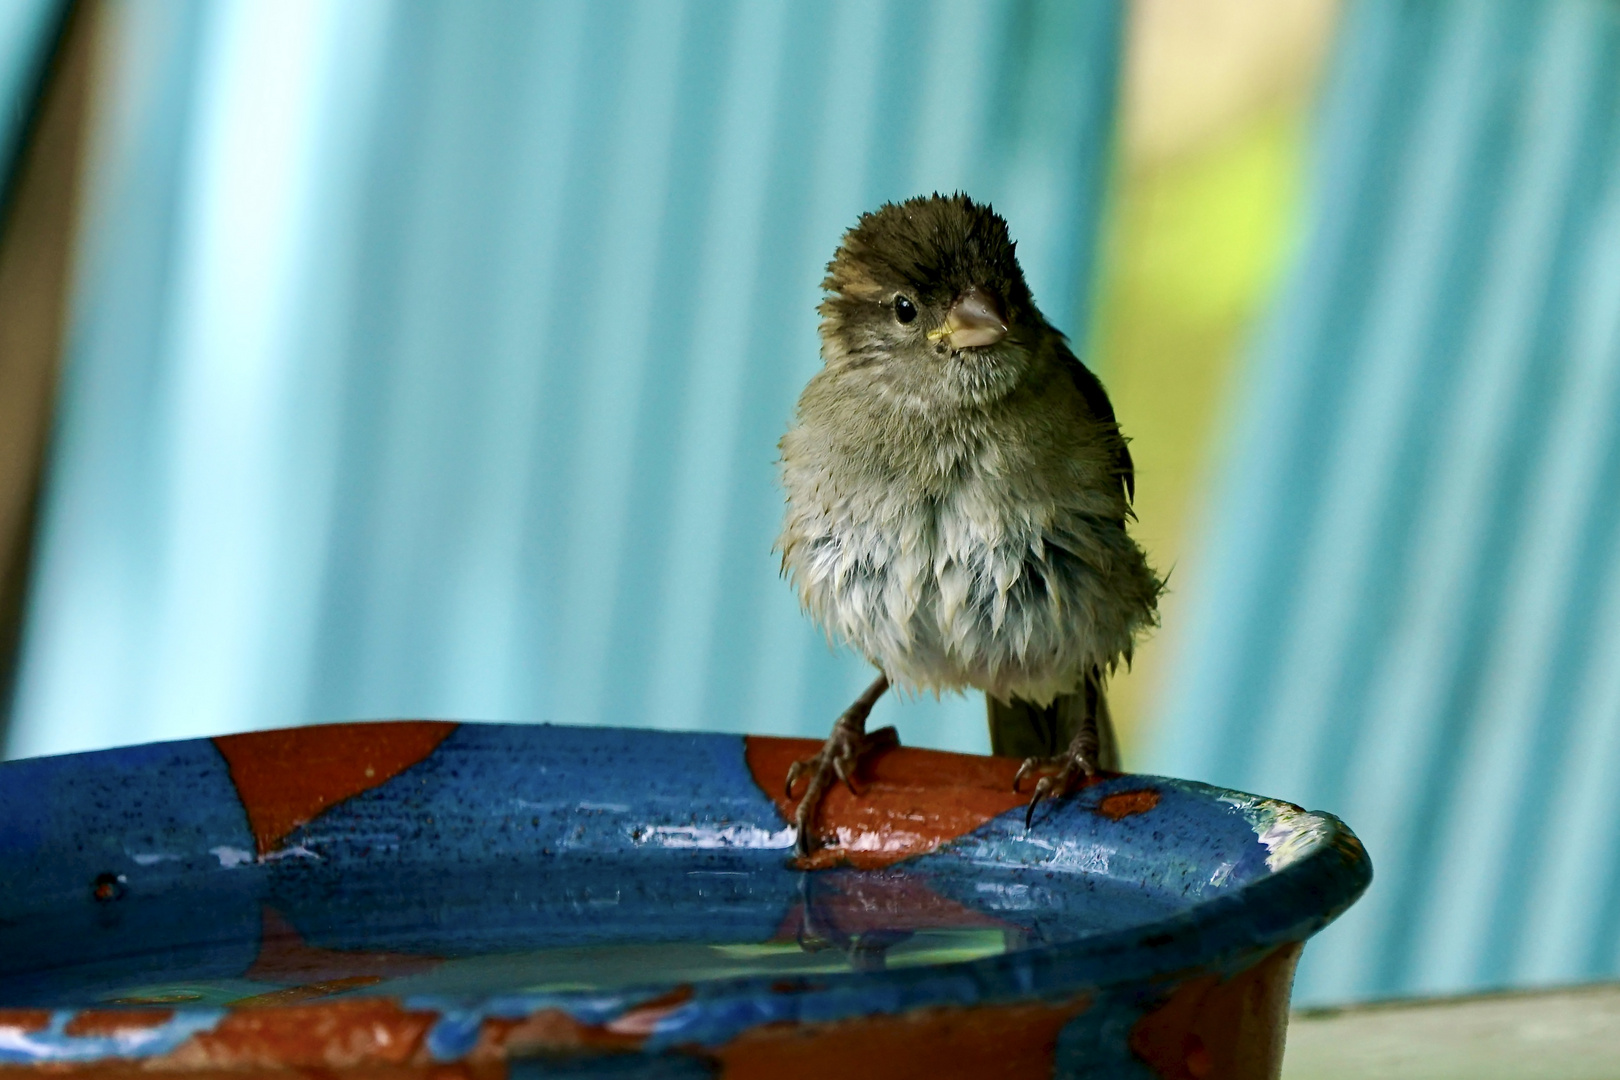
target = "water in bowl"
x: 306, y: 931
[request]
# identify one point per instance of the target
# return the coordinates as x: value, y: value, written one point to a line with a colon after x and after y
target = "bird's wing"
x: 1096, y: 399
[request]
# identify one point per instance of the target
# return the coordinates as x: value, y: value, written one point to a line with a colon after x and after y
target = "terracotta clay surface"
x: 286, y: 778
x: 116, y: 1021
x: 1123, y: 804
x: 1014, y: 1042
x: 16, y: 1022
x: 339, y: 1035
x: 911, y: 801
x: 1222, y: 1028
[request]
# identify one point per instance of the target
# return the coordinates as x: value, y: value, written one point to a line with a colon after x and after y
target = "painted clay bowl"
x: 416, y: 899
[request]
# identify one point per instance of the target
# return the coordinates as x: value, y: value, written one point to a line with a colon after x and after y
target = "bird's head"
x: 928, y: 294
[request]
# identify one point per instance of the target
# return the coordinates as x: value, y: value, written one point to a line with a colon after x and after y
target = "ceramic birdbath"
x: 477, y: 900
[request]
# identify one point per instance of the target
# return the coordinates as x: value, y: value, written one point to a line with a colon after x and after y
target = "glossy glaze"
x: 490, y: 898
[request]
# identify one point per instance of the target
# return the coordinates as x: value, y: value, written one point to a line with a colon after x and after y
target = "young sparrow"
x: 957, y: 493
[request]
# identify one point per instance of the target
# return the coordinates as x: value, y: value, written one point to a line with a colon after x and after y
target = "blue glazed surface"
x: 519, y: 868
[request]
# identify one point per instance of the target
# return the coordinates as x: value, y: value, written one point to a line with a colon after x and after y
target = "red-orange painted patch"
x: 338, y: 1034
x: 23, y: 1020
x: 378, y: 1037
x: 1215, y: 1029
x: 1004, y: 1041
x: 113, y: 1021
x: 126, y: 1069
x: 911, y: 801
x: 552, y: 1031
x: 1122, y: 804
x: 286, y: 778
x: 547, y: 1031
x: 285, y: 958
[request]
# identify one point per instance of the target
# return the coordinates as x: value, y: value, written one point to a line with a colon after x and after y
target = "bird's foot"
x: 1057, y: 775
x: 837, y: 760
x: 819, y: 930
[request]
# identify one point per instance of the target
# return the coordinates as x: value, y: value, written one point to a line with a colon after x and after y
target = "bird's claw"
x: 1058, y: 774
x: 837, y: 758
x: 841, y: 764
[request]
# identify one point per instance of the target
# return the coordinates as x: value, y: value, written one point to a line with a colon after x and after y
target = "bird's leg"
x: 836, y: 760
x: 1082, y: 760
x: 814, y: 935
x: 866, y: 950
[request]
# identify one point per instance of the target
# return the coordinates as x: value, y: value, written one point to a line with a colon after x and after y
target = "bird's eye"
x: 904, y: 309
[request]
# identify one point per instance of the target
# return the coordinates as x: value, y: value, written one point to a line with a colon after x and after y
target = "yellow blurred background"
x: 1216, y: 107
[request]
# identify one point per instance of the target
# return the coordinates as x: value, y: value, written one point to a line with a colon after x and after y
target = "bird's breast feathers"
x: 975, y: 587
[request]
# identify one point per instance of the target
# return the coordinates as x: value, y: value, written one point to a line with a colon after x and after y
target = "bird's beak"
x: 974, y: 321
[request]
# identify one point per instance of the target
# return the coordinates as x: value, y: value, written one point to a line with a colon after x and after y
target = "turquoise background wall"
x: 429, y: 358
x: 1408, y: 604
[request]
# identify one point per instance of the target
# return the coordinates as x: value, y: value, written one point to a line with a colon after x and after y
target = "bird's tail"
x: 1021, y: 729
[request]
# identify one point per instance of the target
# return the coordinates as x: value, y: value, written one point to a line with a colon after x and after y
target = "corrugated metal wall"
x: 1410, y: 610
x: 430, y: 358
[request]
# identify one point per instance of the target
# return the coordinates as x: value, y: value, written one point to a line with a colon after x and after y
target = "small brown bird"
x: 957, y: 498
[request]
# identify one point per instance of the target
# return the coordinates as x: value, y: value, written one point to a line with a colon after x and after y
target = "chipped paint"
x: 231, y: 857
x: 712, y: 837
x: 58, y: 1043
x: 1289, y: 832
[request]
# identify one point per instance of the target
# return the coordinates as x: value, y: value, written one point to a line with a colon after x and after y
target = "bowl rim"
x: 1316, y: 869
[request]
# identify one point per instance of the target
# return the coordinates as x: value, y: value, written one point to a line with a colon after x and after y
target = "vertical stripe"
x: 529, y: 340
x: 1407, y: 610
